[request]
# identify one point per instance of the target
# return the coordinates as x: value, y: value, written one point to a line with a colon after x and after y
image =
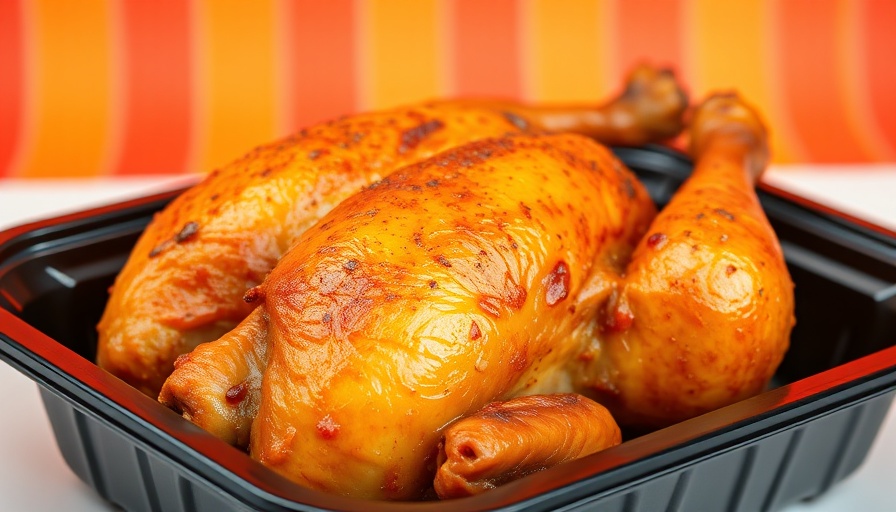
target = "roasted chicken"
x: 185, y: 280
x: 460, y: 280
x: 519, y: 265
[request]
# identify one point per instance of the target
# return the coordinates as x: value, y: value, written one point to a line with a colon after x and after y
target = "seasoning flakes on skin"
x: 412, y: 137
x: 475, y: 332
x: 490, y: 305
x: 516, y: 121
x: 254, y: 294
x: 181, y: 360
x: 327, y: 427
x: 186, y: 233
x: 724, y: 213
x: 442, y: 260
x: 557, y: 284
x: 160, y: 248
x: 237, y: 393
x: 657, y: 240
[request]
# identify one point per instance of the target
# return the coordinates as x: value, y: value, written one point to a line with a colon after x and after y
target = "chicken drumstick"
x: 703, y: 315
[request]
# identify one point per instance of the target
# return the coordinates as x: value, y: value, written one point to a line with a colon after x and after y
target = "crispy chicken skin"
x: 452, y: 283
x: 703, y: 315
x: 185, y: 280
x: 522, y: 265
x: 508, y: 440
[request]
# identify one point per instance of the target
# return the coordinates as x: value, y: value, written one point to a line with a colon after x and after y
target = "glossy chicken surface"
x: 514, y: 266
x: 451, y: 283
x: 185, y: 280
x: 703, y: 315
x: 508, y: 440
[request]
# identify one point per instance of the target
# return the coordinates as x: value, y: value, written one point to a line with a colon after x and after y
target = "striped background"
x: 144, y: 87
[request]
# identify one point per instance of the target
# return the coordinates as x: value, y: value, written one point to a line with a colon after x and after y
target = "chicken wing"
x: 186, y: 277
x: 509, y: 440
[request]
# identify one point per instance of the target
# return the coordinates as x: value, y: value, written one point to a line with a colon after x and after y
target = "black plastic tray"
x: 814, y: 427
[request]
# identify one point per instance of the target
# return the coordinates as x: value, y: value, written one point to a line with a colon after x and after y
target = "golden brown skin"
x: 649, y: 109
x: 508, y: 440
x: 703, y: 315
x: 506, y: 267
x: 452, y: 283
x: 186, y: 277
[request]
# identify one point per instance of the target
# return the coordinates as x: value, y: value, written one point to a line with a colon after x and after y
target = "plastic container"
x: 810, y: 430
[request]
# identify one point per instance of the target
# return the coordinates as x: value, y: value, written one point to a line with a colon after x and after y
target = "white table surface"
x: 33, y: 476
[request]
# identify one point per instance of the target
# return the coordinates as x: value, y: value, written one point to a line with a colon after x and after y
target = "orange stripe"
x: 568, y: 50
x: 485, y: 39
x: 647, y: 31
x: 807, y: 35
x: 879, y: 22
x: 400, y: 40
x: 728, y: 48
x: 71, y: 87
x: 157, y: 88
x: 853, y: 79
x: 319, y: 60
x: 11, y: 83
x: 730, y: 51
x: 237, y: 81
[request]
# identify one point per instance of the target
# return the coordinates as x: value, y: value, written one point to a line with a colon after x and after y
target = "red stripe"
x: 648, y: 31
x: 157, y: 87
x: 11, y: 83
x: 487, y: 48
x: 808, y: 81
x: 880, y: 51
x: 321, y: 60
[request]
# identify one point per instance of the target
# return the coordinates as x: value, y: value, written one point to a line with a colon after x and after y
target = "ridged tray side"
x: 122, y: 471
x: 766, y: 474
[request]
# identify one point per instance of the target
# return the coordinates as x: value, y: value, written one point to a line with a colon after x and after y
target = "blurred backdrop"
x: 144, y: 87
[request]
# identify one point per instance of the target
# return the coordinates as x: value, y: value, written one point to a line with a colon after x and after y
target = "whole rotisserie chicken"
x: 185, y: 280
x: 473, y: 297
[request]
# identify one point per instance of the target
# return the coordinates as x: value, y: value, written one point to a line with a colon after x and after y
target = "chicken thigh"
x: 184, y: 281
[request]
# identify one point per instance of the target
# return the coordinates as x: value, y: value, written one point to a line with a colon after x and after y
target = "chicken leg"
x: 703, y: 315
x: 700, y: 319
